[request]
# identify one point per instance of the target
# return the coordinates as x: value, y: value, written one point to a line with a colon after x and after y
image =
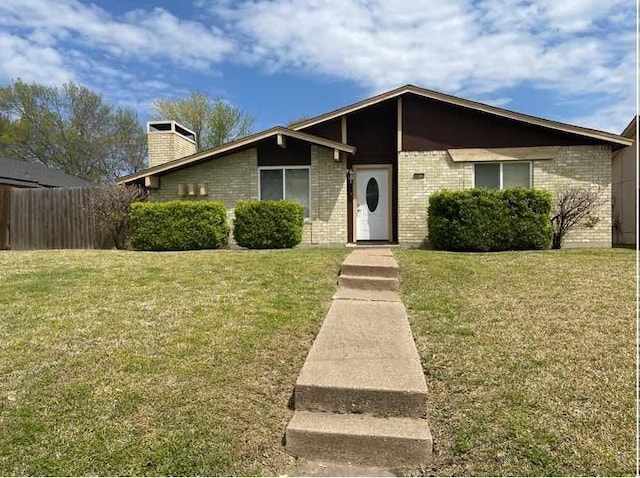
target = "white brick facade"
x: 234, y: 178
x: 440, y: 172
x: 580, y: 166
x: 588, y: 166
x: 166, y: 146
x: 328, y: 221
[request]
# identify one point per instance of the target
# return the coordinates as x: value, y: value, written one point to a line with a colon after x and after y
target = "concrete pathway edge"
x: 362, y: 381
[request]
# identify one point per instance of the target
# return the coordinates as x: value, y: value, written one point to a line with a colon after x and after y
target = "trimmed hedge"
x: 490, y: 220
x: 268, y: 224
x: 178, y: 225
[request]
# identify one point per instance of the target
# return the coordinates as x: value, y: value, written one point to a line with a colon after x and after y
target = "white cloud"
x: 145, y: 35
x: 576, y: 49
x: 31, y: 62
x: 122, y: 57
x: 572, y: 48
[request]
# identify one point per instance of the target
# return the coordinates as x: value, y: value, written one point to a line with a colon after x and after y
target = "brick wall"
x: 440, y: 172
x: 235, y: 177
x: 229, y: 179
x: 572, y: 166
x: 580, y: 166
x: 328, y: 221
x: 167, y: 146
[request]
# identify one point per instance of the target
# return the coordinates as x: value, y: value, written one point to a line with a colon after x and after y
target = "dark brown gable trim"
x: 296, y: 153
x: 429, y: 124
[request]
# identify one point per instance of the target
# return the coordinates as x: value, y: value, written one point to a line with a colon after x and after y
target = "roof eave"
x: 230, y: 147
x: 545, y: 123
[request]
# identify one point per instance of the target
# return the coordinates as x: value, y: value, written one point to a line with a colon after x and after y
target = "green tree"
x: 71, y: 129
x: 214, y: 121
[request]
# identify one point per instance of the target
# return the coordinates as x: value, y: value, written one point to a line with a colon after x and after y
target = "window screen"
x: 487, y: 176
x: 515, y: 174
x: 271, y: 184
x: 297, y: 187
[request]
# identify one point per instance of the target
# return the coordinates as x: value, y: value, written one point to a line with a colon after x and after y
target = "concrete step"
x: 359, y: 439
x: 364, y: 360
x: 370, y: 265
x: 332, y: 468
x: 369, y: 282
x: 360, y: 294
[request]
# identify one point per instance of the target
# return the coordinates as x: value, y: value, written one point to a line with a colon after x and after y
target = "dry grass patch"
x: 529, y: 359
x: 125, y: 363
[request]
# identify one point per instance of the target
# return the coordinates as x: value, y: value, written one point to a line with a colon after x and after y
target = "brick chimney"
x: 168, y: 140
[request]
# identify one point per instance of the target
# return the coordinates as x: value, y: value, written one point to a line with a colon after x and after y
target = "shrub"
x: 110, y: 205
x: 572, y: 207
x: 178, y: 225
x: 490, y: 220
x: 268, y: 224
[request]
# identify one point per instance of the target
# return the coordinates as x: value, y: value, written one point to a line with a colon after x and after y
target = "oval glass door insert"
x: 373, y: 194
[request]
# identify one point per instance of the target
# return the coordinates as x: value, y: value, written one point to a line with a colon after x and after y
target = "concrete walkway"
x: 361, y: 394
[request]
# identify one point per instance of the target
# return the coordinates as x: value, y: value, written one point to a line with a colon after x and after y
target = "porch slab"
x: 360, y: 250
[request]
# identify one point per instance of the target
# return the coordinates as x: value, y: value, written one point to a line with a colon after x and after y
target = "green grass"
x: 529, y: 359
x: 129, y: 363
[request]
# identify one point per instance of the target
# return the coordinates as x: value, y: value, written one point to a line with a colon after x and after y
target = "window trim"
x: 284, y: 181
x: 530, y: 163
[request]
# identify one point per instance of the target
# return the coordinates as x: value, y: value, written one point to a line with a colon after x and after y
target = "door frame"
x: 354, y: 200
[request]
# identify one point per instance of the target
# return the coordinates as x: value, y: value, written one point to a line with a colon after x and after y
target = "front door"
x: 372, y: 204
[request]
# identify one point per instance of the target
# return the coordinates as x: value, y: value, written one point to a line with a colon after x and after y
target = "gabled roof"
x: 630, y: 130
x: 227, y: 148
x: 454, y: 100
x: 35, y: 175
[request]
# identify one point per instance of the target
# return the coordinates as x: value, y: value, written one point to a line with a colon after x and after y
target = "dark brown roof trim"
x: 454, y: 100
x: 234, y: 145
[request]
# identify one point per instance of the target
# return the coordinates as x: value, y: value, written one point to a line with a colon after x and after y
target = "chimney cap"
x: 165, y: 126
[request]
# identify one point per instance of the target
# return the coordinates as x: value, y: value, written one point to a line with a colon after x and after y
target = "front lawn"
x: 529, y: 359
x: 130, y: 363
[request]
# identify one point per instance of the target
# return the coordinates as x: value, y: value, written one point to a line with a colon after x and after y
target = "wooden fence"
x: 48, y: 219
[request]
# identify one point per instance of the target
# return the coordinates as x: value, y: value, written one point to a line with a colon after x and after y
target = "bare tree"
x: 110, y: 206
x: 214, y: 121
x: 70, y: 128
x: 574, y: 206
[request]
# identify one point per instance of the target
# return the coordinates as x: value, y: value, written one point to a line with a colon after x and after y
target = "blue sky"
x: 569, y: 60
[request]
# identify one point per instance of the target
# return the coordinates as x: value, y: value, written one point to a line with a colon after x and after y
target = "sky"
x: 278, y: 60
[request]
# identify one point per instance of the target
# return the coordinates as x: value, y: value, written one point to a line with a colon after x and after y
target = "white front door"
x: 372, y: 209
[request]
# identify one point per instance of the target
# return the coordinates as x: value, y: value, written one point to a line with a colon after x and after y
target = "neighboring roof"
x: 234, y: 145
x: 630, y: 130
x: 454, y: 100
x: 34, y: 175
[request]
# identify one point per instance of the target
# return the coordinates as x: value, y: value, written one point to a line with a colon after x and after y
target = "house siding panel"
x: 296, y: 153
x: 623, y: 196
x: 429, y: 125
x: 328, y: 129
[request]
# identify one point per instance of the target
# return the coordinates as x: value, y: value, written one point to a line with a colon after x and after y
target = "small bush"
x: 490, y: 220
x: 268, y: 224
x: 110, y: 207
x: 178, y: 225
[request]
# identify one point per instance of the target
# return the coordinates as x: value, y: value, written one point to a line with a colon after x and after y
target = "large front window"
x: 502, y: 175
x: 286, y: 183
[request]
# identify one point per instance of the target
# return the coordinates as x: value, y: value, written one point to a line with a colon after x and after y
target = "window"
x: 502, y: 175
x: 290, y: 183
